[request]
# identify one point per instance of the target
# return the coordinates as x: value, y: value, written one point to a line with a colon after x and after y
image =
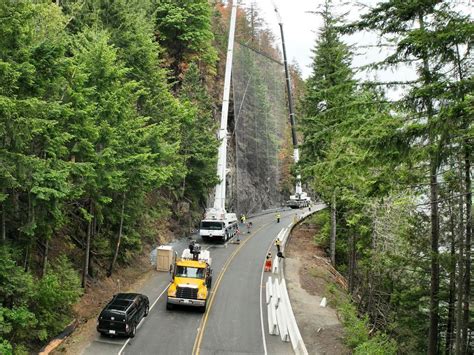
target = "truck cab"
x: 192, y: 279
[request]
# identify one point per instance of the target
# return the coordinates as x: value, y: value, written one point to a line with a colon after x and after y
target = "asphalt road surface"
x: 235, y: 321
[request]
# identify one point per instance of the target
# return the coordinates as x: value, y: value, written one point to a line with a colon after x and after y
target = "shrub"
x: 322, y: 220
x: 379, y: 344
x: 358, y: 337
x: 355, y: 327
x: 56, y: 292
x: 5, y: 347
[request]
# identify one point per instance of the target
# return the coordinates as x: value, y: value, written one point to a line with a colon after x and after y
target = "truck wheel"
x: 147, y: 310
x: 169, y: 306
x: 203, y: 308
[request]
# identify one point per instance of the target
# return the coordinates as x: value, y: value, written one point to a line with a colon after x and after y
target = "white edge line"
x: 151, y: 307
x: 261, y: 300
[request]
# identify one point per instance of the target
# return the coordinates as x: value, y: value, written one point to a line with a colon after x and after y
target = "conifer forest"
x: 109, y: 113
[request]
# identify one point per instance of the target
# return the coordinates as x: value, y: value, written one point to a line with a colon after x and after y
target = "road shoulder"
x: 308, y: 277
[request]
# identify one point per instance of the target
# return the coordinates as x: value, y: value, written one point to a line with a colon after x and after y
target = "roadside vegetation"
x: 108, y: 120
x: 396, y: 175
x: 107, y: 130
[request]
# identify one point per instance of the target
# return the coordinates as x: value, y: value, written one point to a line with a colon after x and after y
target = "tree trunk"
x: 4, y: 225
x: 352, y: 259
x: 467, y: 271
x: 26, y: 261
x: 85, y: 271
x: 460, y: 285
x: 452, y: 288
x: 117, y: 246
x: 31, y: 220
x: 333, y: 230
x: 45, y: 257
x: 434, y: 290
x: 464, y: 285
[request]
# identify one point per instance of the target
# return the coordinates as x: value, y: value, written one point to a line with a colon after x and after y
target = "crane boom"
x: 219, y: 200
x: 300, y: 198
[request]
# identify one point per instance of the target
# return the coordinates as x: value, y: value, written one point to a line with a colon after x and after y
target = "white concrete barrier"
x: 278, y: 302
x: 276, y: 292
x: 282, y: 322
x: 276, y: 265
x: 272, y: 318
x: 268, y: 289
x: 295, y: 335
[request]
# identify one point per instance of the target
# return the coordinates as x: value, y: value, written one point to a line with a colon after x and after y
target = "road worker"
x: 268, y: 262
x: 278, y: 245
x: 278, y: 216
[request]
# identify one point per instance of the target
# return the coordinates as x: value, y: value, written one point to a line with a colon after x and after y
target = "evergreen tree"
x: 431, y: 44
x: 184, y: 29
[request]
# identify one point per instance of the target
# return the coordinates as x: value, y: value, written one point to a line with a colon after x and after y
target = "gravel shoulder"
x: 308, y: 276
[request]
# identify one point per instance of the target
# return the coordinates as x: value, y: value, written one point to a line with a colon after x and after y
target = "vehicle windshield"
x: 187, y: 271
x: 215, y: 226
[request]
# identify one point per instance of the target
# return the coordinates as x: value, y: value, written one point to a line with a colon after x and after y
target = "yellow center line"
x: 202, y: 327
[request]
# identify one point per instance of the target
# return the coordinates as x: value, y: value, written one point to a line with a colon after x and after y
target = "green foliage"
x: 329, y: 85
x: 88, y: 121
x: 32, y: 309
x: 5, y: 347
x: 56, y: 293
x: 378, y: 344
x: 184, y: 29
x: 357, y: 334
x: 323, y: 221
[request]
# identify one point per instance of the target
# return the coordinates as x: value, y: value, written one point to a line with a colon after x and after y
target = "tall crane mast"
x: 217, y: 223
x: 219, y: 200
x: 300, y: 198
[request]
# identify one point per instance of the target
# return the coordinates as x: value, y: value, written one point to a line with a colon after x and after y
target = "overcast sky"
x: 301, y: 27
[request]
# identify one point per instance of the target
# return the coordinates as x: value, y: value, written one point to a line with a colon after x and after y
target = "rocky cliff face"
x: 258, y: 121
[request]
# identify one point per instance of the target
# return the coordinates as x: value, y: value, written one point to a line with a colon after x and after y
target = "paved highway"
x: 235, y: 321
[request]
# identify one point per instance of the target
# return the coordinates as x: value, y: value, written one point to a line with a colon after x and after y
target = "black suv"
x: 122, y: 315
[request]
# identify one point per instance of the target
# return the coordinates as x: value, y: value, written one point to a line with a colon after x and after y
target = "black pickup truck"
x: 122, y: 314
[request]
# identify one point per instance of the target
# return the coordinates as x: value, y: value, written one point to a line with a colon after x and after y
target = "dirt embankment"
x: 310, y: 277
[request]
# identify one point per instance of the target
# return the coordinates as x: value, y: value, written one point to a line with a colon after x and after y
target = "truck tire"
x: 203, y: 308
x: 169, y: 306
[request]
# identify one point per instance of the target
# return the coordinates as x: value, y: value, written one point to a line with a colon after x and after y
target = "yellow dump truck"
x: 192, y: 279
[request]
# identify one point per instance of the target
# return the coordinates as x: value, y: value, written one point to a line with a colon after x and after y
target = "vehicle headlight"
x: 172, y: 292
x: 202, y: 294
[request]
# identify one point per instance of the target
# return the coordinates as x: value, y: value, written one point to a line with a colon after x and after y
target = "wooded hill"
x: 397, y: 175
x: 108, y: 119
